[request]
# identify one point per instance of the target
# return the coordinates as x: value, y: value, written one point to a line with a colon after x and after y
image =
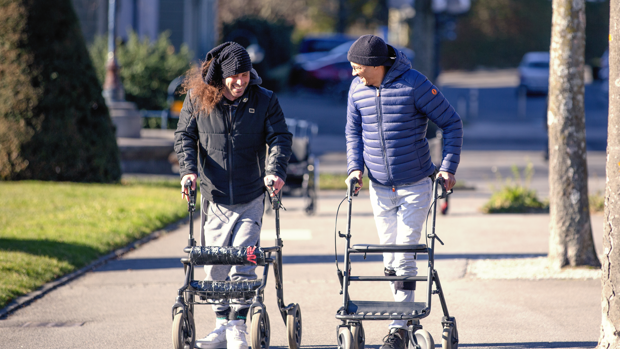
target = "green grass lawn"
x: 49, y: 229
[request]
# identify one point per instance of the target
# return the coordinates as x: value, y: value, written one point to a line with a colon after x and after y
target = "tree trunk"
x: 610, y: 327
x: 570, y: 242
x: 423, y: 39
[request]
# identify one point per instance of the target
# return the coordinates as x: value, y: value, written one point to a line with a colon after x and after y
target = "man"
x: 225, y: 124
x: 389, y: 106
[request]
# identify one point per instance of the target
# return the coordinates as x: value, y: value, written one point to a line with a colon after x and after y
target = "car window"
x: 538, y: 65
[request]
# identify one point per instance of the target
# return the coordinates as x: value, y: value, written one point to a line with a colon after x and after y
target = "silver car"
x: 534, y: 73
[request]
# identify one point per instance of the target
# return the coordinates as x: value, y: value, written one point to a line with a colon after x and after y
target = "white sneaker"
x: 215, y: 339
x: 235, y: 335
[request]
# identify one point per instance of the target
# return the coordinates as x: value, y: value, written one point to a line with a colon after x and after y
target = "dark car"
x: 330, y: 72
x: 324, y: 43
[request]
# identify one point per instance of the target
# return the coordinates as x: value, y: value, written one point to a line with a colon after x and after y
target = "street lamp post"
x: 125, y: 116
x: 112, y: 87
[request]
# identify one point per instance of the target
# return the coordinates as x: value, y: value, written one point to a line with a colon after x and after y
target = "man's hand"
x: 278, y: 183
x: 449, y: 178
x: 185, y: 192
x: 355, y: 174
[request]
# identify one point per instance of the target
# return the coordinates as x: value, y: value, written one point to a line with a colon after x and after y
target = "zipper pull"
x: 378, y: 93
x: 393, y: 189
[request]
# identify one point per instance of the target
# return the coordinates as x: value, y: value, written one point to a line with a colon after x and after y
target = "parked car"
x: 331, y: 72
x: 534, y: 73
x: 323, y: 43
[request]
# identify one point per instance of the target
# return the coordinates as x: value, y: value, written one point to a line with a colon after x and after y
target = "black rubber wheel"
x: 183, y: 330
x: 345, y: 340
x: 293, y: 327
x: 424, y: 339
x: 450, y: 337
x: 260, y: 330
x: 358, y: 336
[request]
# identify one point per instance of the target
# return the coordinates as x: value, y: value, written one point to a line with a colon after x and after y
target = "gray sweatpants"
x: 399, y: 216
x: 231, y: 225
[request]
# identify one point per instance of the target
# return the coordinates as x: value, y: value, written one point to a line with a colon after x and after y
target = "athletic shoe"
x: 394, y: 340
x: 215, y: 339
x: 235, y: 335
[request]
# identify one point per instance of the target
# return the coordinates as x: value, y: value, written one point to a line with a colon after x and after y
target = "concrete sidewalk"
x: 127, y: 302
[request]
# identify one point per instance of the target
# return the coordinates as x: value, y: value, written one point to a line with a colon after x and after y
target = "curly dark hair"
x: 206, y: 95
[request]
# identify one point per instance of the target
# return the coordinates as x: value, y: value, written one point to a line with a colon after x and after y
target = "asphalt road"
x: 127, y: 302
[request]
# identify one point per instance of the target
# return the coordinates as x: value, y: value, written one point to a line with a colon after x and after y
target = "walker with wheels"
x: 196, y: 292
x: 350, y: 332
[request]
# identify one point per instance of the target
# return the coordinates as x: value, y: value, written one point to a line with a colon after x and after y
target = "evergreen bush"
x: 146, y: 68
x: 54, y: 124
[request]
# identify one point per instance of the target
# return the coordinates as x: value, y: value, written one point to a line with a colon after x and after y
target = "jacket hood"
x: 254, y: 78
x: 401, y: 65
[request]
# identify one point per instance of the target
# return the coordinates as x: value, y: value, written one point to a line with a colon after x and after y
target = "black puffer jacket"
x: 232, y: 156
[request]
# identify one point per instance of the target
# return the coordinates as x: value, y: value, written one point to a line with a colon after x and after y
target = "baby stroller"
x: 302, y: 177
x: 195, y: 292
x: 351, y: 332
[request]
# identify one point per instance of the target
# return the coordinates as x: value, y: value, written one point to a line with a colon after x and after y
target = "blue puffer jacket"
x: 386, y: 127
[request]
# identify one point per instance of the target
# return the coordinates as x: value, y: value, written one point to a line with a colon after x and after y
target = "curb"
x: 25, y: 300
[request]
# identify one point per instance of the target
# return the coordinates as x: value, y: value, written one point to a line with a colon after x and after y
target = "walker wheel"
x: 260, y: 330
x: 424, y: 339
x: 450, y: 337
x: 345, y: 340
x: 358, y: 336
x: 293, y: 327
x: 183, y: 330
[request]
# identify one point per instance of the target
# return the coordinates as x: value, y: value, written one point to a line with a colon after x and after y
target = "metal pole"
x: 111, y: 27
x: 112, y: 87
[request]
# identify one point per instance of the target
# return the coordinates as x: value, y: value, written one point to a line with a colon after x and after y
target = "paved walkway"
x: 127, y: 302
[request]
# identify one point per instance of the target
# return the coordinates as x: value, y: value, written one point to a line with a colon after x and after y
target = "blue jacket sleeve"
x: 186, y: 138
x: 353, y: 133
x: 429, y: 101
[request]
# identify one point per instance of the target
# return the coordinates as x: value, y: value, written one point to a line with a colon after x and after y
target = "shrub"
x: 515, y: 197
x: 54, y: 124
x: 597, y: 203
x: 147, y: 68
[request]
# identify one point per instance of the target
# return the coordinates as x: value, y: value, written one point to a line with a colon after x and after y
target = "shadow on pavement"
x: 531, y: 345
x: 168, y: 263
x: 489, y: 345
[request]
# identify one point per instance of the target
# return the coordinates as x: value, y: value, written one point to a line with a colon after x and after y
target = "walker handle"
x: 351, y: 185
x: 192, y: 194
x: 444, y: 193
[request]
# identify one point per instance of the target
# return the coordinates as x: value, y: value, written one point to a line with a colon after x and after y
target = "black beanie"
x: 369, y: 50
x: 228, y: 59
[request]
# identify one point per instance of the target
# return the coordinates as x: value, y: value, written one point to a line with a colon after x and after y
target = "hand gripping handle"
x: 192, y: 193
x: 351, y: 185
x: 442, y: 183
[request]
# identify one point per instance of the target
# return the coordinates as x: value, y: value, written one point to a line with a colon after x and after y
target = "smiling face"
x: 234, y: 86
x: 370, y: 76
